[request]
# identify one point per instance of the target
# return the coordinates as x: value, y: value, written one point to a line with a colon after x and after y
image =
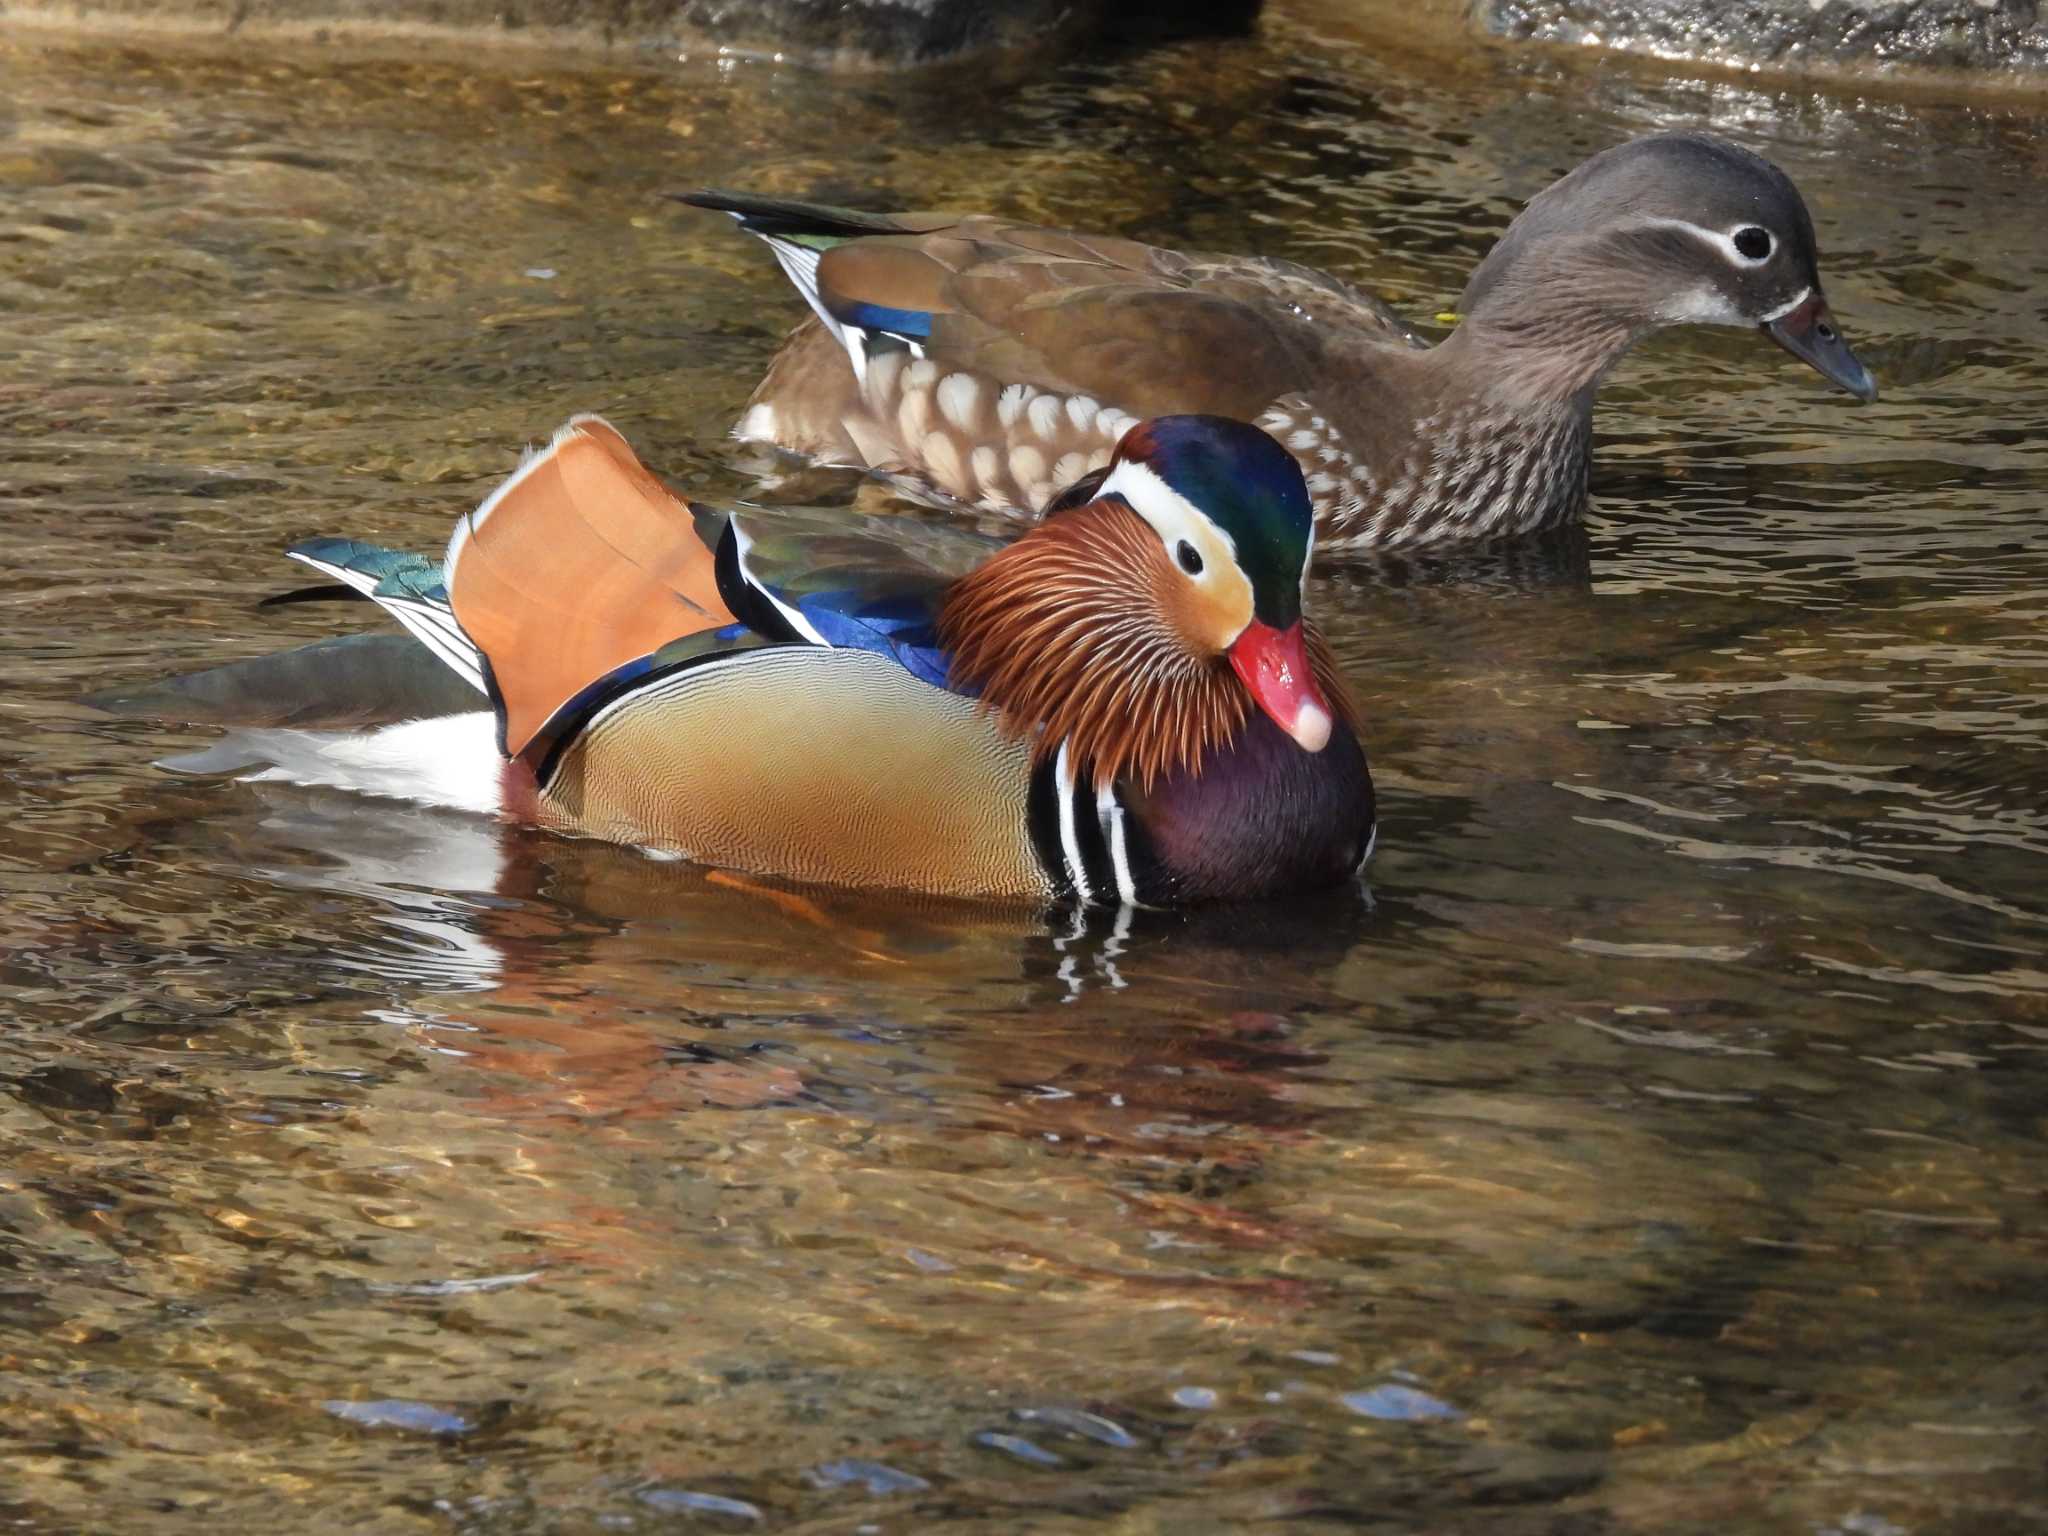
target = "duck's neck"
x: 1501, y: 431
x: 1532, y: 370
x: 1061, y: 634
x: 1474, y: 454
x: 1545, y: 320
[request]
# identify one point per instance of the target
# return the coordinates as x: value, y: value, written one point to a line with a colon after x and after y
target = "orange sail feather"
x: 578, y: 564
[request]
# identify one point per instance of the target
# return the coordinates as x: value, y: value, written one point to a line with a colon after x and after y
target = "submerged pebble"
x: 1393, y: 1401
x: 474, y: 1287
x: 1019, y: 1448
x: 685, y: 1501
x: 399, y: 1413
x: 1194, y: 1397
x: 871, y: 1475
x: 1089, y: 1426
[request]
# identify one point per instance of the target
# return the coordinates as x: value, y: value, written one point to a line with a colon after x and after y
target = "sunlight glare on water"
x: 1657, y: 1146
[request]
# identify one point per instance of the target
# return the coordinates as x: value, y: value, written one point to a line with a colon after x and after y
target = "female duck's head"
x: 1673, y: 229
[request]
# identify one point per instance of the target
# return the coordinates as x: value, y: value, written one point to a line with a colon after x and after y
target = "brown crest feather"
x: 1069, y: 632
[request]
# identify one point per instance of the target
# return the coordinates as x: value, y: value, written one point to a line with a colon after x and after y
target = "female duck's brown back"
x: 997, y: 363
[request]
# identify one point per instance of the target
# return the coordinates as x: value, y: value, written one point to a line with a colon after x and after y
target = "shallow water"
x: 1657, y: 1146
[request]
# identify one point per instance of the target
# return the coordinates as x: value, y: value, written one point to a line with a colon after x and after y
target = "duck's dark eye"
x: 1826, y: 331
x: 1753, y: 243
x: 1190, y: 558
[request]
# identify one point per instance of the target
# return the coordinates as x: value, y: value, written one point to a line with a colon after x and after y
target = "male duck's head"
x: 1233, y: 516
x: 1158, y: 604
x: 1673, y: 229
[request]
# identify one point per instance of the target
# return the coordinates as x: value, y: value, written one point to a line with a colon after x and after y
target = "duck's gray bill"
x: 1808, y: 333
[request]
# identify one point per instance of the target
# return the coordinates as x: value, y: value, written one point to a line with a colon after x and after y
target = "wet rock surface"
x: 855, y: 34
x: 2003, y: 36
x: 2005, y: 41
x: 896, y: 32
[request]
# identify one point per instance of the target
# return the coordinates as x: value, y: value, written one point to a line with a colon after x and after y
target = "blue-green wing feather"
x: 412, y: 588
x: 871, y: 584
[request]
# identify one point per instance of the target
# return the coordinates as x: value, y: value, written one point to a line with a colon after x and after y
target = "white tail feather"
x: 450, y: 761
x: 799, y: 264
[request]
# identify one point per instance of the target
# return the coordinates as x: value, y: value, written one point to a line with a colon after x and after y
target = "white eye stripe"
x: 1308, y: 557
x: 1722, y: 241
x: 1172, y: 516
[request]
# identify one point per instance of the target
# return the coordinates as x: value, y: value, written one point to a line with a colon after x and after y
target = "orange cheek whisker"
x: 1068, y: 634
x: 1082, y: 632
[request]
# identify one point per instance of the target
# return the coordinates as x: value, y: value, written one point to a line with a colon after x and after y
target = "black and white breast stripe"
x: 1083, y: 837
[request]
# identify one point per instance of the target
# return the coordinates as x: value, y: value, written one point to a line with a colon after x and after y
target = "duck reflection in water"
x: 618, y: 986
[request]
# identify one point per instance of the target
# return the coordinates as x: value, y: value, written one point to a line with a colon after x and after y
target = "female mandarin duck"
x: 998, y: 363
x: 1126, y: 705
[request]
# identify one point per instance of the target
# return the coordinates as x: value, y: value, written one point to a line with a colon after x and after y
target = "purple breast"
x: 1261, y: 818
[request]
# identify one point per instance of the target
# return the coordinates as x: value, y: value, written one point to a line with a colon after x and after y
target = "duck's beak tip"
x: 1311, y: 730
x: 1274, y: 666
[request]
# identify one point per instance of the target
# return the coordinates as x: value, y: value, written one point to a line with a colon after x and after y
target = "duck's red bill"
x: 1274, y: 665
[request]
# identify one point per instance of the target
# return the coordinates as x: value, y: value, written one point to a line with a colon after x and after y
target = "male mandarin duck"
x: 1125, y: 705
x: 998, y: 363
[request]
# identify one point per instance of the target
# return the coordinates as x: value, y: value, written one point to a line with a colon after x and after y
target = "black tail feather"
x: 332, y: 592
x: 789, y: 216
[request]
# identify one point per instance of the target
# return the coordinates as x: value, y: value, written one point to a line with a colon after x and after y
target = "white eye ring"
x: 1752, y: 243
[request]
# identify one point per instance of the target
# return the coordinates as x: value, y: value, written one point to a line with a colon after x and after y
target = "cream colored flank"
x: 829, y: 766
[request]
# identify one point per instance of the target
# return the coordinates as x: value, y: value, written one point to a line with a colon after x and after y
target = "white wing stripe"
x: 797, y: 621
x: 435, y: 628
x: 800, y: 265
x: 432, y: 625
